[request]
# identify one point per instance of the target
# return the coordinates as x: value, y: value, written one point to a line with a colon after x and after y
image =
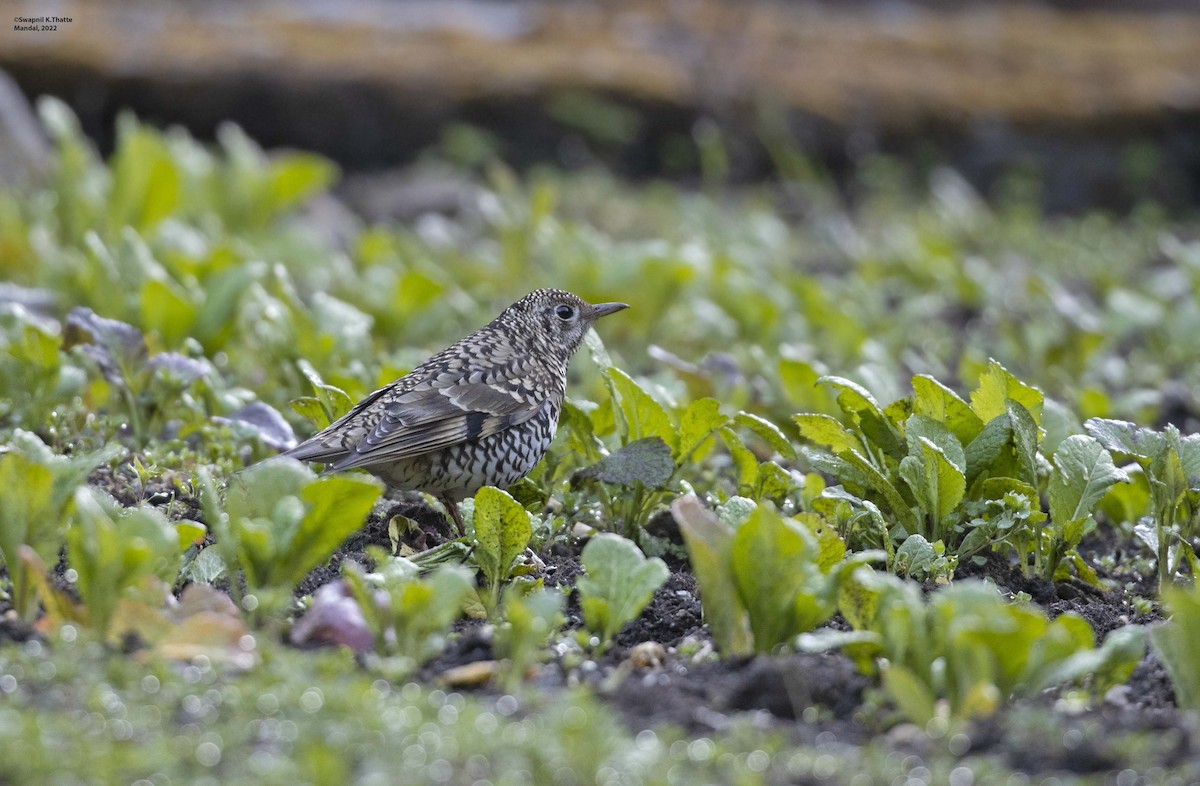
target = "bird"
x: 481, y: 412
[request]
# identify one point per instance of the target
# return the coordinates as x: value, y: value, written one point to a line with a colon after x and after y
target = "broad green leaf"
x: 1110, y: 664
x: 620, y: 581
x: 827, y: 432
x: 1120, y: 436
x: 697, y: 425
x: 708, y: 543
x: 936, y: 482
x: 768, y: 431
x: 28, y: 516
x: 167, y: 310
x: 577, y: 425
x: 1026, y: 437
x: 853, y: 398
x: 743, y: 458
x: 914, y: 556
x: 333, y: 399
x: 858, y: 601
x: 1083, y: 471
x: 645, y: 461
x: 778, y: 578
x: 337, y: 507
x: 919, y: 427
x: 861, y: 406
x: 113, y: 548
x: 879, y: 483
x: 309, y: 408
x: 983, y: 453
x: 644, y: 417
x: 502, y: 531
x: 296, y: 176
x: 1178, y: 643
x: 145, y: 181
x: 997, y: 386
x: 933, y: 399
x: 830, y: 548
x: 911, y: 695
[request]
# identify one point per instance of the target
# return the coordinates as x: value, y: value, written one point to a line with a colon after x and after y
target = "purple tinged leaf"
x: 185, y: 368
x: 117, y: 347
x: 334, y: 618
x: 273, y: 430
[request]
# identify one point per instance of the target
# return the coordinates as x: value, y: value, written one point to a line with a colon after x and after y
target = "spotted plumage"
x: 479, y: 413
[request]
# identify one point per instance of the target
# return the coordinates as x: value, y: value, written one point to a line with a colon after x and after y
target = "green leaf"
x: 996, y: 387
x: 338, y: 507
x: 1026, y: 436
x: 879, y: 483
x: 167, y: 310
x: 768, y: 431
x: 646, y: 461
x: 333, y: 399
x: 294, y: 177
x: 644, y: 417
x: 936, y: 482
x: 1119, y: 436
x: 827, y: 432
x: 933, y: 399
x: 861, y: 406
x: 830, y: 547
x: 983, y: 453
x: 1178, y: 643
x: 699, y: 422
x: 619, y: 583
x: 776, y: 568
x: 112, y: 548
x: 280, y: 521
x: 28, y: 516
x: 708, y: 543
x: 912, y: 697
x: 145, y: 181
x: 743, y: 458
x: 1083, y: 471
x: 502, y: 531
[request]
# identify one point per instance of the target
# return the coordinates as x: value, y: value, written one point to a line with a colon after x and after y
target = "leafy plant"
x: 279, y: 521
x: 1171, y: 463
x: 1177, y: 642
x: 37, y: 490
x: 113, y: 549
x: 408, y: 614
x: 948, y: 480
x: 767, y: 580
x: 965, y: 651
x: 530, y: 617
x: 501, y: 530
x: 619, y: 583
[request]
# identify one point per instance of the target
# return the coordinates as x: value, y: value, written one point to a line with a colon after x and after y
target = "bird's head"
x: 560, y: 319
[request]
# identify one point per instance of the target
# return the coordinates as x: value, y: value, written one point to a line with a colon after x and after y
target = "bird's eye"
x: 564, y: 312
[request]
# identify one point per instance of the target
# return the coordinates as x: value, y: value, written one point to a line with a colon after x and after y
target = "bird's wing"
x: 331, y: 443
x: 432, y: 417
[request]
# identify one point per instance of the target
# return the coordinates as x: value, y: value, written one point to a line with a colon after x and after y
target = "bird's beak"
x: 604, y: 309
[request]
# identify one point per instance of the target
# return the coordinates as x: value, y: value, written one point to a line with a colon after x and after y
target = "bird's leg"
x: 452, y: 508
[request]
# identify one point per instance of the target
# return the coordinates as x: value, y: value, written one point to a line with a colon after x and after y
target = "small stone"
x: 647, y: 655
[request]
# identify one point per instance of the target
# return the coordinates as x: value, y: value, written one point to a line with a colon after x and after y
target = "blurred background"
x: 781, y: 190
x: 1102, y: 98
